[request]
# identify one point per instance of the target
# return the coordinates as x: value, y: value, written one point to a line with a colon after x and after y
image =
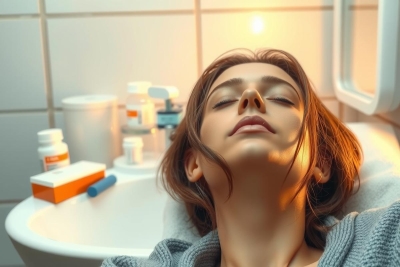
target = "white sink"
x: 126, y: 219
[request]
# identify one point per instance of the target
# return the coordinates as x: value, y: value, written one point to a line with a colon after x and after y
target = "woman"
x: 262, y: 166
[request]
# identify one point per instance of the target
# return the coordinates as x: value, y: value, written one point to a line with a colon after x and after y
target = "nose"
x: 251, y: 99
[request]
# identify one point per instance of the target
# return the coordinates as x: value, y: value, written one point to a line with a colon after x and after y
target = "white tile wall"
x: 77, y: 6
x: 8, y: 254
x: 18, y: 157
x: 305, y: 34
x: 101, y: 55
x: 21, y: 68
x: 14, y: 7
x: 212, y: 4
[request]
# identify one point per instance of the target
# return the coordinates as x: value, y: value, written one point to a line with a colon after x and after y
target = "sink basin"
x: 126, y: 219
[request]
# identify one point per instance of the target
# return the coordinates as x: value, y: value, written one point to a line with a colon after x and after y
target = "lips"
x: 252, y: 120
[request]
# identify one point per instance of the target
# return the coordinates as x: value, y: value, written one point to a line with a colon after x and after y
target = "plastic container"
x: 133, y: 150
x: 140, y: 109
x: 53, y: 152
x: 92, y: 128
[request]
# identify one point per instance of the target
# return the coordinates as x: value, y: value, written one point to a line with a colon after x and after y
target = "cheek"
x: 289, y: 127
x: 212, y: 130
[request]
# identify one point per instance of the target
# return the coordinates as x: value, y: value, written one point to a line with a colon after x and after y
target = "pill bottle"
x: 133, y: 149
x: 140, y: 109
x: 53, y: 152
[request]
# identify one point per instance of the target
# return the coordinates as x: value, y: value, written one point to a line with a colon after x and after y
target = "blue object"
x: 101, y: 185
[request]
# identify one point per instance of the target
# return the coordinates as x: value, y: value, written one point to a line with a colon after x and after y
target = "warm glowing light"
x: 257, y: 24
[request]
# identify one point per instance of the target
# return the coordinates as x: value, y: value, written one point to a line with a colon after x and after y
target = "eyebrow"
x: 270, y: 80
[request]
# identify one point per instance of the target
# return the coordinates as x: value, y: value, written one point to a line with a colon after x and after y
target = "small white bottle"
x: 53, y: 152
x: 133, y: 150
x: 140, y: 109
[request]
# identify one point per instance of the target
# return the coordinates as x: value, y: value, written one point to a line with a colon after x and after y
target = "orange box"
x: 63, y: 183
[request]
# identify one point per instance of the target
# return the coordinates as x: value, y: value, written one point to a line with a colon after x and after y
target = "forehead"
x: 253, y: 72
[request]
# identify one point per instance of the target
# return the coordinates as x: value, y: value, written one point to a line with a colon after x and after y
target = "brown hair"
x: 329, y: 140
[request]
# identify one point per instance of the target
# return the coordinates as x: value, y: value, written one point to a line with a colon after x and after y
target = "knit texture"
x: 370, y: 238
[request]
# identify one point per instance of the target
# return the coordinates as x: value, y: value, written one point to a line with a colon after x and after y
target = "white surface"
x: 18, y: 152
x: 8, y: 255
x: 387, y: 95
x: 68, y: 174
x: 307, y: 34
x: 100, y: 55
x: 93, y: 134
x: 21, y: 69
x: 13, y: 7
x: 69, y: 6
x: 126, y: 219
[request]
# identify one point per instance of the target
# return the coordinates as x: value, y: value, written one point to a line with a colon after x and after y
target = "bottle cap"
x: 134, y: 141
x: 50, y: 135
x: 138, y: 87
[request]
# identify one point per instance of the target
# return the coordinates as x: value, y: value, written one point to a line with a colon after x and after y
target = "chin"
x: 254, y: 153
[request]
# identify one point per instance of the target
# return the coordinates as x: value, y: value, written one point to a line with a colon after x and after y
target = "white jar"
x: 140, y: 109
x: 92, y: 128
x: 133, y: 150
x: 53, y: 153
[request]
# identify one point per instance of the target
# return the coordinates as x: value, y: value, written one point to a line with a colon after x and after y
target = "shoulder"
x: 369, y: 237
x: 168, y: 250
x: 173, y: 252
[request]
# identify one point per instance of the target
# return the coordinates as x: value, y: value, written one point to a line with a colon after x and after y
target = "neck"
x: 258, y: 227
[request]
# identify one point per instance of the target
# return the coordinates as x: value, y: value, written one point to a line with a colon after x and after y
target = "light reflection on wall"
x: 257, y: 24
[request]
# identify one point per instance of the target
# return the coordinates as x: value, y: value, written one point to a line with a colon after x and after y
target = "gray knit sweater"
x: 369, y: 238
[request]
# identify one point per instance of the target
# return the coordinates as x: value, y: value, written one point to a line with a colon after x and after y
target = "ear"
x: 322, y: 173
x: 192, y: 167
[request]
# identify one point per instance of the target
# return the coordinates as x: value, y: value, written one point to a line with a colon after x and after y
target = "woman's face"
x: 259, y: 94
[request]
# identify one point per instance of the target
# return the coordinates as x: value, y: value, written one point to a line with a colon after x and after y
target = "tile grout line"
x: 199, y: 47
x: 120, y: 13
x: 175, y: 12
x: 11, y: 201
x: 46, y: 64
x: 95, y: 14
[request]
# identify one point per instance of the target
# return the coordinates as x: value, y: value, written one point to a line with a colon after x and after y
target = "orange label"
x: 132, y: 113
x: 54, y: 159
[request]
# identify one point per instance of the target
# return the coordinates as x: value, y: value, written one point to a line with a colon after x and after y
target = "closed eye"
x: 281, y: 99
x: 224, y: 102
